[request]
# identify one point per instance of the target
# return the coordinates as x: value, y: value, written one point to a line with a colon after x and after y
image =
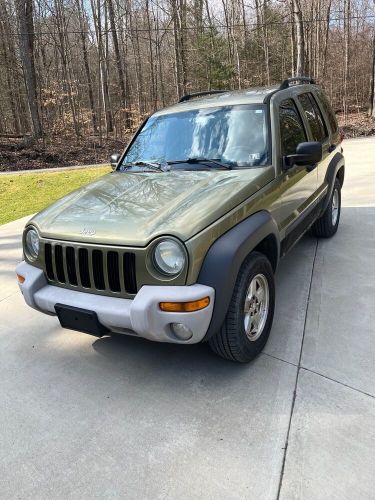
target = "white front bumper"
x: 140, y: 316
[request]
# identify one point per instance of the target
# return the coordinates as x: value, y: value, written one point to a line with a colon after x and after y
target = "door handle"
x: 331, y: 148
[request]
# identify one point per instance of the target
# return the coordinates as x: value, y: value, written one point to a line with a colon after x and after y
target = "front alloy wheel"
x: 256, y: 307
x: 248, y: 322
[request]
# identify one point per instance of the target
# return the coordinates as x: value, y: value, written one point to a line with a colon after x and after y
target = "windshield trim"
x: 265, y: 106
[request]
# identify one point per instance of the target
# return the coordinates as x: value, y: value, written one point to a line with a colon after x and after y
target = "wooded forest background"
x: 80, y: 69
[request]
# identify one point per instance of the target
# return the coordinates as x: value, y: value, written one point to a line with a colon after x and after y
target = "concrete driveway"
x: 124, y: 418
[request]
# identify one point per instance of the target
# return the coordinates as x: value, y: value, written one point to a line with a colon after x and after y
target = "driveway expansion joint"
x: 338, y: 382
x: 278, y: 359
x: 297, y: 374
x: 10, y: 295
x: 356, y: 389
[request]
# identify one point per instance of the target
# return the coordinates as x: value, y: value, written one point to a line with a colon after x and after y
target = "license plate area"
x: 81, y: 320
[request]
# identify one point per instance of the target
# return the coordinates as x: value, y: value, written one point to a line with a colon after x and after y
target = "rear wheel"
x: 326, y: 226
x: 248, y: 322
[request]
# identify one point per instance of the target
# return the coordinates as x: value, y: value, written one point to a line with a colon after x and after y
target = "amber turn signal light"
x: 195, y: 305
x: 20, y: 279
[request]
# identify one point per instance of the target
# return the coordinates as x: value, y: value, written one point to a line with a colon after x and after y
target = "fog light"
x: 20, y: 279
x: 181, y: 331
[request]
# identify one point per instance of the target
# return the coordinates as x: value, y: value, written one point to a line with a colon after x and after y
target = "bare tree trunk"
x: 80, y: 9
x: 179, y: 25
x: 227, y: 22
x: 24, y: 10
x: 326, y: 38
x: 300, y: 62
x: 151, y: 58
x: 292, y: 40
x: 177, y: 59
x: 120, y: 70
x: 266, y: 41
x: 159, y: 63
x: 347, y: 9
x: 6, y: 52
x: 371, y: 109
x: 122, y: 14
x: 96, y: 10
x: 138, y: 62
x: 67, y: 81
x: 258, y: 33
x: 209, y: 64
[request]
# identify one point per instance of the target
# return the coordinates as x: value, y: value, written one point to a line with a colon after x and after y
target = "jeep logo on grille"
x: 87, y: 231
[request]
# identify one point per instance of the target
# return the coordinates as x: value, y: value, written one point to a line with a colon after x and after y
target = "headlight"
x: 32, y: 243
x: 169, y: 257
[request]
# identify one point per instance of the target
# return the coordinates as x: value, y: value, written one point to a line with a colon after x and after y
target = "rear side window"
x: 328, y: 110
x: 292, y: 131
x: 314, y: 117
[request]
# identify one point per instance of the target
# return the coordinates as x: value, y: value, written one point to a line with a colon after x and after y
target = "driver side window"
x: 292, y: 131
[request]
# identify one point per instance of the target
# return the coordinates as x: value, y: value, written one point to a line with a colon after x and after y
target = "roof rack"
x: 187, y: 97
x: 296, y: 80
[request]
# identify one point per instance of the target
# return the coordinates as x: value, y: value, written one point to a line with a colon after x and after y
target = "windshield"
x: 235, y: 135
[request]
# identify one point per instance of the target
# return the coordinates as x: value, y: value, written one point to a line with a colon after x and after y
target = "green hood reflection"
x: 133, y: 208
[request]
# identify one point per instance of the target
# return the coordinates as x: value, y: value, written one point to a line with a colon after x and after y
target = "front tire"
x: 326, y: 226
x: 248, y: 322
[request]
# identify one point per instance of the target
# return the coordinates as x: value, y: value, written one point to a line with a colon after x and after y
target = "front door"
x: 299, y: 185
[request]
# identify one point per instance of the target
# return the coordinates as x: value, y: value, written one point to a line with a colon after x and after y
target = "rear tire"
x: 248, y: 322
x: 326, y: 226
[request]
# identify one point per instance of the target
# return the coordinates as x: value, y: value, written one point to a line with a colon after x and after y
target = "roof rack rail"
x: 187, y: 97
x: 302, y: 79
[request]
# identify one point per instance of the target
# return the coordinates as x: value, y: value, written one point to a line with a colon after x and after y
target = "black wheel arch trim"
x: 335, y: 165
x: 225, y: 257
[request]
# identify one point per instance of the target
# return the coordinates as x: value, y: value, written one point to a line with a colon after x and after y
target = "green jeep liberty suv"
x: 180, y: 243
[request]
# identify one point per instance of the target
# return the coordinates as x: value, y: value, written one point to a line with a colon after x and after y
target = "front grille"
x: 107, y: 271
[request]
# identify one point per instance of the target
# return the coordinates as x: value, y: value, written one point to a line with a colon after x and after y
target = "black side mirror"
x: 307, y: 153
x: 114, y: 160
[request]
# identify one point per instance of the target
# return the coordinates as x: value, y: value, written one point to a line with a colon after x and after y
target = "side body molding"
x: 225, y: 257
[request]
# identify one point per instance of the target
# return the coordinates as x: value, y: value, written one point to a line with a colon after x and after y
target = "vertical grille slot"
x: 83, y: 259
x: 71, y: 266
x: 108, y: 271
x: 113, y: 271
x: 98, y: 271
x: 59, y: 263
x: 48, y: 260
x: 129, y: 273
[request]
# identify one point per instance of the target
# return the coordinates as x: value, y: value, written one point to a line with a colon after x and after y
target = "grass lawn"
x: 23, y: 194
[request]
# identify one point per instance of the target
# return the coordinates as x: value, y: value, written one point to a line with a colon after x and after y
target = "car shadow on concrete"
x: 127, y: 352
x: 294, y: 268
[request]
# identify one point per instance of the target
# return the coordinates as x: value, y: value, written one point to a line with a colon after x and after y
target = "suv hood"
x: 133, y: 208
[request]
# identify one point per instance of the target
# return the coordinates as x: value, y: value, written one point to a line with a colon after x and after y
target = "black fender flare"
x: 225, y: 257
x: 337, y: 162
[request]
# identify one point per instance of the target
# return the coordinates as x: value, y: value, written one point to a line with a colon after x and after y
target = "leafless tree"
x: 77, y: 69
x: 24, y: 10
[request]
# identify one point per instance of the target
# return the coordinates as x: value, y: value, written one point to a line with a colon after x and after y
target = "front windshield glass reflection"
x: 235, y: 135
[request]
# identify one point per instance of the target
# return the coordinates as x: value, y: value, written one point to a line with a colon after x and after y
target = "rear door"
x: 334, y: 134
x: 317, y: 131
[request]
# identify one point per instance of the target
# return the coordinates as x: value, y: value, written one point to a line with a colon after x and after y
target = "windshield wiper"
x: 153, y: 165
x: 215, y: 161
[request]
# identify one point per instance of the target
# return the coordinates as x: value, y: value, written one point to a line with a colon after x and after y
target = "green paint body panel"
x: 135, y: 208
